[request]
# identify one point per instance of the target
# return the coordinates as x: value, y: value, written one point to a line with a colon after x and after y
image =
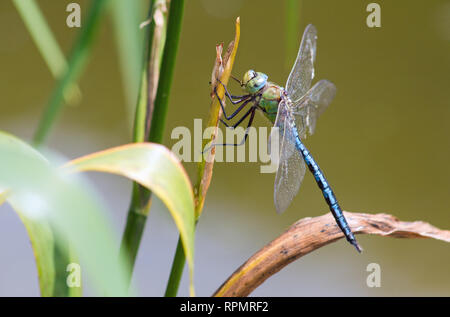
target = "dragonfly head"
x: 254, y: 81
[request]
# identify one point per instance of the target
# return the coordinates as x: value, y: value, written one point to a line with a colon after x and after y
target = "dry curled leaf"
x: 222, y: 66
x: 217, y: 69
x: 230, y: 50
x: 309, y: 234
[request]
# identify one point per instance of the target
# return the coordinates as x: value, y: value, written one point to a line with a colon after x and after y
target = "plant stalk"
x: 151, y: 114
x: 176, y: 272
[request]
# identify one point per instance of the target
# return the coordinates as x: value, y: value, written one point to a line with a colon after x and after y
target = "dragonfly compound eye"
x: 254, y: 81
x: 250, y: 74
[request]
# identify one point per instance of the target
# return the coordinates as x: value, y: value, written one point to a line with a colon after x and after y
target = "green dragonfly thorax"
x: 270, y: 93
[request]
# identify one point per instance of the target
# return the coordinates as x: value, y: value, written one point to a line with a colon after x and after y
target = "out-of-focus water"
x: 383, y: 144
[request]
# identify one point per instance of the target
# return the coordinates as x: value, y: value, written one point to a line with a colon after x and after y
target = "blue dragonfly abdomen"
x: 327, y: 192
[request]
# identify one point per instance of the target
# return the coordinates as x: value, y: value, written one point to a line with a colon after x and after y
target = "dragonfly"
x: 294, y: 110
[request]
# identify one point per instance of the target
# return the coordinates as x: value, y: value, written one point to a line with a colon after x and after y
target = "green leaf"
x: 56, y: 209
x: 158, y: 169
x: 43, y: 245
x: 46, y: 43
x: 77, y: 62
x: 40, y: 234
x: 129, y: 39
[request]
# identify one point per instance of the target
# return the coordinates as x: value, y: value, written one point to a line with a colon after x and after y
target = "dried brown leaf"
x: 217, y: 69
x: 206, y: 165
x: 309, y: 234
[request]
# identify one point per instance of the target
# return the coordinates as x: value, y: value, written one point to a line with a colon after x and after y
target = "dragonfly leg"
x: 240, y: 82
x: 251, y: 112
x: 245, y: 101
x: 231, y: 97
x: 250, y: 121
x: 226, y: 124
x: 241, y: 119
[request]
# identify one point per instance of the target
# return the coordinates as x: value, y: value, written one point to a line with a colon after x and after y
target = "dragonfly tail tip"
x: 357, y: 246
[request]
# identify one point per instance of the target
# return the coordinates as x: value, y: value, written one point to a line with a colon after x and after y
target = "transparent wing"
x: 291, y: 167
x: 312, y: 105
x: 302, y: 73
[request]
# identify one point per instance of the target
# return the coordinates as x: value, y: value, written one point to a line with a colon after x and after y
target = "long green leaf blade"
x: 156, y: 168
x: 77, y: 62
x: 48, y: 198
x: 46, y: 43
x: 127, y: 18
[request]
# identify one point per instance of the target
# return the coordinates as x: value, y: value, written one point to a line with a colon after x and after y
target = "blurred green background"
x: 384, y: 144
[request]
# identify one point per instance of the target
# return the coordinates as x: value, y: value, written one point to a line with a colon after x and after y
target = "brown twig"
x: 309, y: 234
